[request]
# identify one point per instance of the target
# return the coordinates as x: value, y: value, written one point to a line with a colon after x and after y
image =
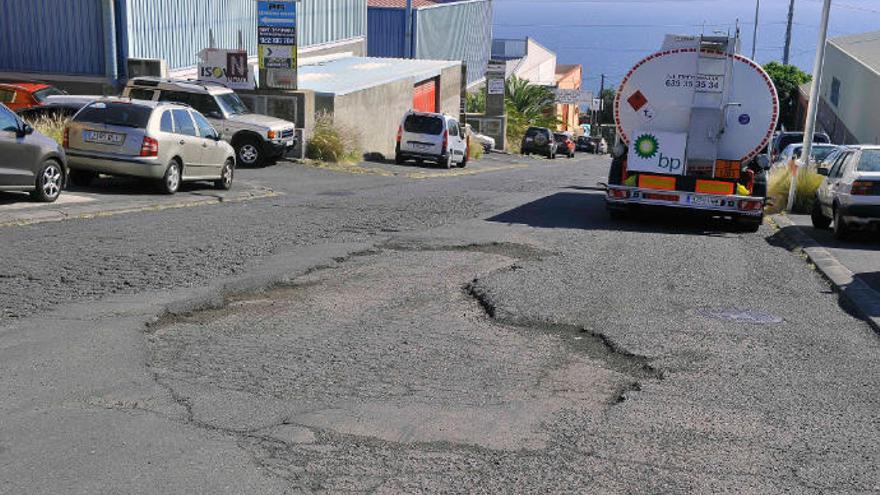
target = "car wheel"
x: 171, y: 181
x: 248, y: 153
x: 82, y: 178
x: 398, y: 159
x: 226, y: 176
x: 820, y: 221
x: 50, y: 180
x: 571, y: 155
x: 445, y: 162
x: 841, y: 229
x: 464, y: 162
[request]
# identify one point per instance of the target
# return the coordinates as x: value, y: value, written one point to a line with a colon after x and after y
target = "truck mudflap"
x: 621, y: 196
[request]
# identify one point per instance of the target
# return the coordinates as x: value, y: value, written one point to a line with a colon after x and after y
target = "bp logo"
x: 647, y: 146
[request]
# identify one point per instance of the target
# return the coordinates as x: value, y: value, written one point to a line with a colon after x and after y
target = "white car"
x: 485, y: 141
x: 850, y: 194
x: 431, y: 136
x: 818, y: 153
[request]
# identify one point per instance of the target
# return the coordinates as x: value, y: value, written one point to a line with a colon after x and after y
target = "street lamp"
x: 813, y: 105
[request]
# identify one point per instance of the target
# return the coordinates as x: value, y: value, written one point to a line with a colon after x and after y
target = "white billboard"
x: 228, y: 67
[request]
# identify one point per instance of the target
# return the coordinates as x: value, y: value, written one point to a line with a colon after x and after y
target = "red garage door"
x: 425, y: 96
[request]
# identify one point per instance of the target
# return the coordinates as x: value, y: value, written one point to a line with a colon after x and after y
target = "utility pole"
x: 601, y: 103
x: 755, y: 32
x: 787, y: 52
x: 813, y: 106
x: 408, y: 44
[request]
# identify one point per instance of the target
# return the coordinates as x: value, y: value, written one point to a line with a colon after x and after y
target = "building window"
x: 835, y: 91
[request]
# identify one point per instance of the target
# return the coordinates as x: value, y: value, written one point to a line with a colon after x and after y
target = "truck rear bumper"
x: 622, y: 196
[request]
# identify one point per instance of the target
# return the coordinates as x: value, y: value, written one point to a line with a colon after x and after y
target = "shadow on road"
x: 570, y: 210
x: 132, y: 186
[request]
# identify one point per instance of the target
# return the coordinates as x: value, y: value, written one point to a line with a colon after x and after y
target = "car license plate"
x: 101, y: 137
x: 422, y: 147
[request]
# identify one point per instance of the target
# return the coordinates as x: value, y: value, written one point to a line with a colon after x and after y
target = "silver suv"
x: 168, y: 142
x: 29, y: 161
x: 256, y: 138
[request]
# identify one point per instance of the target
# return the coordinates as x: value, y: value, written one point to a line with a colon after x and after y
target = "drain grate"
x: 740, y: 316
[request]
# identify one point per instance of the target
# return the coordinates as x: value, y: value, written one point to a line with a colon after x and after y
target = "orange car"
x: 19, y: 96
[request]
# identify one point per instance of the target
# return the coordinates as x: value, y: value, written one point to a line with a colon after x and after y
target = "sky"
x: 609, y: 36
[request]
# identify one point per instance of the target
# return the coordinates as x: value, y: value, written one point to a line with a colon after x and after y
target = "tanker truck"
x: 692, y: 122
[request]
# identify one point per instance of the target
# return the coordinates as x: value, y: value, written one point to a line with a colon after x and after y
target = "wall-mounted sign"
x: 495, y: 86
x: 277, y: 43
x: 228, y: 67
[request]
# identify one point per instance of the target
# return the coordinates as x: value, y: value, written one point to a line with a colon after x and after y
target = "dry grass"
x: 333, y: 143
x: 52, y: 127
x: 475, y: 149
x: 806, y: 184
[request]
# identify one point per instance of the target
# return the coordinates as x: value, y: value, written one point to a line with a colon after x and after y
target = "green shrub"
x: 807, y: 182
x: 333, y: 143
x: 52, y: 127
x: 475, y: 149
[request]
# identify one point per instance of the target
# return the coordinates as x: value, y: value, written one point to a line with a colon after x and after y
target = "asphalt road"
x: 386, y: 333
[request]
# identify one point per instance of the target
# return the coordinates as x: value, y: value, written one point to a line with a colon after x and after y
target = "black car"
x: 584, y: 143
x: 539, y: 140
x: 783, y: 139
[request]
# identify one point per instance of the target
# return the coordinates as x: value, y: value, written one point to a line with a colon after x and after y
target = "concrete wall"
x: 859, y: 86
x: 374, y: 114
x: 295, y: 106
x: 450, y: 91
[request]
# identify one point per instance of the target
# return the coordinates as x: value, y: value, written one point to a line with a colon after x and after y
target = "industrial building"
x: 78, y: 44
x: 849, y: 90
x: 440, y: 30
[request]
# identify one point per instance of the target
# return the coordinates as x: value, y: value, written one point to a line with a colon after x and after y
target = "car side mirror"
x: 25, y: 130
x: 823, y: 171
x: 218, y: 136
x: 764, y: 162
x: 214, y: 114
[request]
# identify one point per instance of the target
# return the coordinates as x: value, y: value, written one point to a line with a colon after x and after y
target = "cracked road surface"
x: 485, y: 334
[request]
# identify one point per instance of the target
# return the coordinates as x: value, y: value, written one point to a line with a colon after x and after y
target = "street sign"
x: 277, y: 43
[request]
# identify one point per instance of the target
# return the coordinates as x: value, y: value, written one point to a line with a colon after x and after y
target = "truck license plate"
x: 101, y: 137
x: 702, y: 201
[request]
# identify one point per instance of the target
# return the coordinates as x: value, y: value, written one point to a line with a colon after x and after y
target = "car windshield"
x: 232, y: 104
x: 819, y: 153
x: 117, y: 114
x: 41, y: 95
x: 870, y: 161
x: 534, y: 131
x: 423, y: 124
x: 560, y: 137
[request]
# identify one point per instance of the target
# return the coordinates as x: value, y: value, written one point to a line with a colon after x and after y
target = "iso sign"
x: 277, y: 41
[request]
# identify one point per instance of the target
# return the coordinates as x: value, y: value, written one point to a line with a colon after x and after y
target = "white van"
x: 431, y: 136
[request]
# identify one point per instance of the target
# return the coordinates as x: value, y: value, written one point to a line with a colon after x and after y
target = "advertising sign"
x: 277, y: 42
x: 657, y: 152
x: 227, y: 67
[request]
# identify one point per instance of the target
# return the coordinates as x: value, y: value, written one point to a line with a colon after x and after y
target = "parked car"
x: 601, y: 146
x: 781, y: 140
x: 565, y: 144
x: 487, y: 142
x: 584, y: 143
x: 168, y: 142
x: 257, y: 138
x: 850, y: 194
x: 818, y: 153
x: 29, y: 161
x: 539, y: 140
x: 431, y: 136
x: 21, y: 95
x: 57, y: 107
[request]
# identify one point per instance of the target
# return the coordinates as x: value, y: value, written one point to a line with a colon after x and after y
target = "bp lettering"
x: 672, y: 164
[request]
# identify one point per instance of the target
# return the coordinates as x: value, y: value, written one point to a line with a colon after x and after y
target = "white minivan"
x: 431, y: 136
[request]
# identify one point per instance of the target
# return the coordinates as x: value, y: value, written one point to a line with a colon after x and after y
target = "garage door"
x: 425, y: 97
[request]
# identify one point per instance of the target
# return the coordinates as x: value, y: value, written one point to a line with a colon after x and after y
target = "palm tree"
x: 527, y: 105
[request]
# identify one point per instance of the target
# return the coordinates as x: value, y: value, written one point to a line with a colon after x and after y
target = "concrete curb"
x: 864, y: 299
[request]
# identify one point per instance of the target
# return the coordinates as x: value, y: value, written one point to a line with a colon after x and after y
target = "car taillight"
x: 66, y: 141
x: 150, y: 147
x: 399, y: 133
x: 862, y: 188
x: 445, y: 139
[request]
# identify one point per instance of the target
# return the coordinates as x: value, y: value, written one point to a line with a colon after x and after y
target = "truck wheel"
x: 749, y: 224
x: 820, y: 221
x: 615, y: 172
x: 249, y: 152
x: 618, y: 212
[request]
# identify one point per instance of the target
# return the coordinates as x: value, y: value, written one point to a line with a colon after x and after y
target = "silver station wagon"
x: 168, y: 142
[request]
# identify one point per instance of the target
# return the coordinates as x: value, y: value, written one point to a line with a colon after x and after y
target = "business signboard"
x: 228, y: 67
x: 277, y: 43
x: 658, y: 152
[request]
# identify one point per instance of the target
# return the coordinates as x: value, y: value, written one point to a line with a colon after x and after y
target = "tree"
x: 527, y: 105
x: 607, y: 114
x: 476, y: 102
x: 787, y: 79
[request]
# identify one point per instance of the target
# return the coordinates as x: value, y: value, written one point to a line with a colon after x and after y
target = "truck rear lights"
x: 727, y: 169
x: 150, y: 147
x: 656, y: 182
x: 714, y: 187
x: 863, y: 188
x: 618, y: 193
x: 751, y: 205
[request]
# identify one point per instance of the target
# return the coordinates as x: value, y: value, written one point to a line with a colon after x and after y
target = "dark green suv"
x: 539, y: 140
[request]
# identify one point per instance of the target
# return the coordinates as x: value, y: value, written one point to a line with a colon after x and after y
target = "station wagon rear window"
x: 870, y: 161
x: 423, y: 124
x: 116, y: 114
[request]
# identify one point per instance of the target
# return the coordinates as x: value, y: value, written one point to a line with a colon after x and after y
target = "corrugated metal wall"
x: 386, y: 32
x: 38, y: 36
x: 327, y: 21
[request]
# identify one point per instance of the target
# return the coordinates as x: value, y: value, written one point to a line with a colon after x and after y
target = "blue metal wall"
x: 386, y: 32
x: 450, y: 31
x: 456, y: 31
x: 38, y: 36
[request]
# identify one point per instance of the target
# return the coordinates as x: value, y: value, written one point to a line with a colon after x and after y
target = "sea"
x: 609, y: 36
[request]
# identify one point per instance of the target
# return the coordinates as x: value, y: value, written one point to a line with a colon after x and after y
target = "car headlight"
x: 271, y: 134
